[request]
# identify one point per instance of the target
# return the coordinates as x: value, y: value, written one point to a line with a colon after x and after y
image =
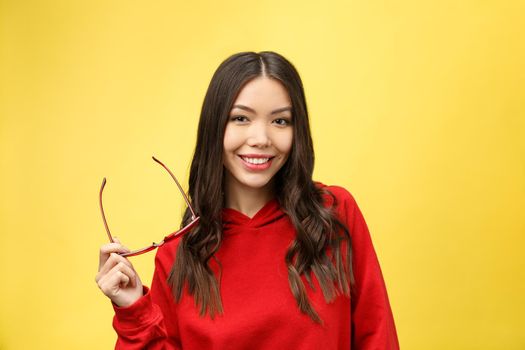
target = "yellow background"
x: 417, y: 107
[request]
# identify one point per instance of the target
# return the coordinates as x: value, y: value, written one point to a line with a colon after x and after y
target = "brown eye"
x: 239, y: 118
x: 282, y: 121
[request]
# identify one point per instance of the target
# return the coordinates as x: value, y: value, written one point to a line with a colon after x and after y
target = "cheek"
x: 231, y: 140
x: 284, y: 142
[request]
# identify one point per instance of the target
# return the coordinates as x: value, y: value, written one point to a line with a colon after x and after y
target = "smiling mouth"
x: 256, y: 161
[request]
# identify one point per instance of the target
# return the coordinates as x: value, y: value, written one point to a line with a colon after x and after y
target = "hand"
x: 116, y: 276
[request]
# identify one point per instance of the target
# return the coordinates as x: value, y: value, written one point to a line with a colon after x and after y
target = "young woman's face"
x: 259, y: 133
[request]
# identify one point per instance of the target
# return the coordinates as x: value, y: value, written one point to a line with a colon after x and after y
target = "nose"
x: 258, y: 136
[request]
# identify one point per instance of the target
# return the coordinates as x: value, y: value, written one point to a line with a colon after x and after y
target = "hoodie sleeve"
x: 372, y: 319
x: 143, y: 325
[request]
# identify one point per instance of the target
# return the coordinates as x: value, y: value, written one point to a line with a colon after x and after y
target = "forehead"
x: 262, y: 94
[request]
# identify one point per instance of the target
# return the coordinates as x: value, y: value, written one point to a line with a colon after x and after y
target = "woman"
x: 277, y: 261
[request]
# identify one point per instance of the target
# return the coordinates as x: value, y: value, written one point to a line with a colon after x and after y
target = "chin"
x: 256, y: 183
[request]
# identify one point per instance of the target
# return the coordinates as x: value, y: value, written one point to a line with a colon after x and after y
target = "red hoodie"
x: 260, y: 311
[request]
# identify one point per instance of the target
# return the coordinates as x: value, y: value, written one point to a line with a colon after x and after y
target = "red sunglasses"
x: 182, y: 231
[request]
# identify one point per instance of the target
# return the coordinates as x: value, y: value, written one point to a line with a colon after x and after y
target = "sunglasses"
x: 171, y: 236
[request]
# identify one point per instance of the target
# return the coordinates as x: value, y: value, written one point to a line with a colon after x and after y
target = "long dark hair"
x: 320, y: 235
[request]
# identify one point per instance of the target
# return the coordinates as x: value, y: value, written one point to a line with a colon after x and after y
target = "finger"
x: 112, y: 283
x: 117, y: 240
x: 109, y: 278
x: 124, y: 279
x: 107, y: 249
x: 128, y: 271
x: 110, y: 263
x: 113, y: 248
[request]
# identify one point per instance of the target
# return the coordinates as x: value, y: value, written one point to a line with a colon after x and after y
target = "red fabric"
x: 260, y: 311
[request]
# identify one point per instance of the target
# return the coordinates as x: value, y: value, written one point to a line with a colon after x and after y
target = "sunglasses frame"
x: 173, y: 235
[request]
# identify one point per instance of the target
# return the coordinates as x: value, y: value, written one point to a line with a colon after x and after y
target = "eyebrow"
x: 278, y: 110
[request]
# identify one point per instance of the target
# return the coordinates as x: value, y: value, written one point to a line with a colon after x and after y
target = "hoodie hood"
x: 269, y: 213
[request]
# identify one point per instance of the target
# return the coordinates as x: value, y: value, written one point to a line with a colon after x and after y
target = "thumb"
x: 116, y: 240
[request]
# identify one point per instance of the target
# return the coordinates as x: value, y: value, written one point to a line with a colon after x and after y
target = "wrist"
x: 128, y: 300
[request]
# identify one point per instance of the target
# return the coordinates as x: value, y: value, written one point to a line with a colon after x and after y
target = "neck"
x: 247, y: 200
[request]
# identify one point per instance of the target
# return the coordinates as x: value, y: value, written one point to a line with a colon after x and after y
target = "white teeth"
x: 256, y: 160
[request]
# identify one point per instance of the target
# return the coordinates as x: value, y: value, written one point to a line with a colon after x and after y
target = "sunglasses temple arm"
x: 142, y: 251
x: 179, y: 186
x: 168, y: 238
x: 102, y: 211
